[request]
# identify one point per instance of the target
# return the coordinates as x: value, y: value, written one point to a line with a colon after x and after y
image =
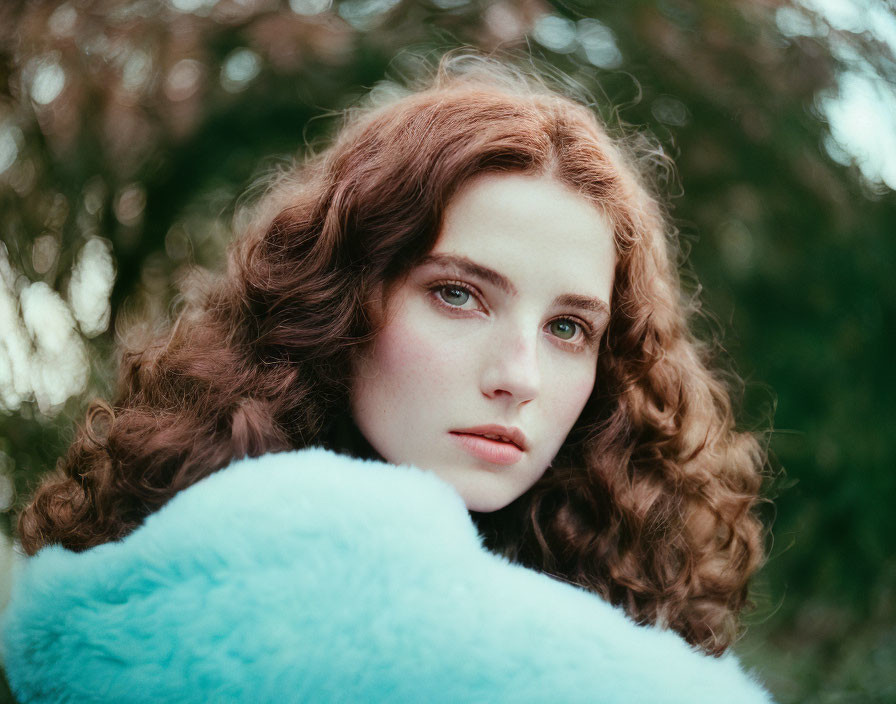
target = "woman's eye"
x: 576, y: 336
x: 454, y: 295
x: 564, y: 329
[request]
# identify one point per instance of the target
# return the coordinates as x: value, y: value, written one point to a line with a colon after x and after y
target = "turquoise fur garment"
x: 312, y: 577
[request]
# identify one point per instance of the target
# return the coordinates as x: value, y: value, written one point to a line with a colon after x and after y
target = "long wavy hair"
x: 650, y: 502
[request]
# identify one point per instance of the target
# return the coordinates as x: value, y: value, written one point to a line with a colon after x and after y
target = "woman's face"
x: 494, y: 333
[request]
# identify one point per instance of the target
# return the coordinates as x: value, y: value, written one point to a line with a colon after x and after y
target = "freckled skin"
x: 446, y: 360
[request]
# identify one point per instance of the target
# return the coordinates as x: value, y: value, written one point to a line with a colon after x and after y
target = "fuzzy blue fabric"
x: 313, y: 577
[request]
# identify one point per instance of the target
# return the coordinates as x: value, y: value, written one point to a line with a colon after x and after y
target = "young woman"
x: 481, y: 443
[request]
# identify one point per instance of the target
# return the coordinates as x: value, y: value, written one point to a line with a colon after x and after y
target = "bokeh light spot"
x: 670, y: 111
x: 183, y: 80
x: 59, y: 367
x: 47, y: 82
x: 736, y: 246
x: 862, y: 117
x: 177, y: 243
x: 10, y: 140
x: 240, y: 67
x: 197, y: 6
x: 310, y: 7
x: 130, y: 204
x: 43, y: 253
x: 363, y: 14
x: 795, y: 22
x: 63, y: 20
x: 503, y: 22
x: 136, y: 71
x: 91, y: 285
x: 94, y: 195
x: 599, y: 44
x: 555, y: 33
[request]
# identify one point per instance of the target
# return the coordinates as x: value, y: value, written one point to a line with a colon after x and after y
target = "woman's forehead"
x: 514, y: 230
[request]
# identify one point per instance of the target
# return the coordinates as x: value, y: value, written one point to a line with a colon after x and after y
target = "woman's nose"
x: 511, y: 367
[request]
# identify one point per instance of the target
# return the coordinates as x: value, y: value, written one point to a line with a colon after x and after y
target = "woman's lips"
x: 493, y: 451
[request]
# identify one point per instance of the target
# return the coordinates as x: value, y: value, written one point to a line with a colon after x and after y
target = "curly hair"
x: 650, y: 502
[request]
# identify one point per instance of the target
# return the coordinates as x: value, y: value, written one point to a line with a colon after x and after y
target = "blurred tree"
x: 141, y: 122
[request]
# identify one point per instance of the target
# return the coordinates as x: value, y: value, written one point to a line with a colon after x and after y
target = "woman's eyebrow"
x: 471, y: 268
x: 595, y: 305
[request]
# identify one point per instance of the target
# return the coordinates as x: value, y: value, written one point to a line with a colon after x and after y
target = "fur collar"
x: 314, y: 577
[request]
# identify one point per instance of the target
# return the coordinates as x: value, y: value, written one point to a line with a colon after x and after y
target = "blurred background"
x: 129, y: 128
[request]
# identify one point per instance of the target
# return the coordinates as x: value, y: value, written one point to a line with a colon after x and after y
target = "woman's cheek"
x: 416, y: 352
x: 572, y: 390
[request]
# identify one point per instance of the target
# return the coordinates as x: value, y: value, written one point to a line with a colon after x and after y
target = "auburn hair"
x: 650, y: 502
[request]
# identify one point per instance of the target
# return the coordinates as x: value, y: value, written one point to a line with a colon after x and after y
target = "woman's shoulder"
x: 278, y: 511
x: 311, y: 576
x: 313, y: 493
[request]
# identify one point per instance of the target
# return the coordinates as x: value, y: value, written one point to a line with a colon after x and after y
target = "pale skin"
x: 500, y: 324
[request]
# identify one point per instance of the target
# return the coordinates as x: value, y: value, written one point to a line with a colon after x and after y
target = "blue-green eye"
x: 454, y: 295
x: 563, y: 328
